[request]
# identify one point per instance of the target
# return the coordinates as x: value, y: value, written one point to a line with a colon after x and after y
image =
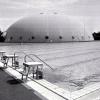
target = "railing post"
x: 25, y: 58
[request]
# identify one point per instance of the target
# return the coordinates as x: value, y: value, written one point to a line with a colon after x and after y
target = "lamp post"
x: 84, y: 28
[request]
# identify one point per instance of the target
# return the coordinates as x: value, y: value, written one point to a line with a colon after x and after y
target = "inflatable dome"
x: 47, y: 28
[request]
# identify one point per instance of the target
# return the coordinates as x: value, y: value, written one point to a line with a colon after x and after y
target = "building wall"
x: 47, y: 28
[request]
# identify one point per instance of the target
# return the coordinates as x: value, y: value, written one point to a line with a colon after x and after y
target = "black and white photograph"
x: 49, y: 50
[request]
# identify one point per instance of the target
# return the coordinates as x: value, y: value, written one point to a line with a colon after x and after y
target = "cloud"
x: 13, y: 8
x: 6, y: 22
x: 24, y: 7
x: 85, y: 9
x: 17, y: 8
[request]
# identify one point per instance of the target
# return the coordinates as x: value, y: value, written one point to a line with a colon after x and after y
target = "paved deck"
x: 11, y: 89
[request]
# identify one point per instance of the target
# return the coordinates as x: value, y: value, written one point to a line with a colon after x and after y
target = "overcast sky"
x: 88, y: 10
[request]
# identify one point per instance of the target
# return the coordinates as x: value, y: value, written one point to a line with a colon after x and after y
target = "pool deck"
x: 12, y: 88
x: 33, y: 85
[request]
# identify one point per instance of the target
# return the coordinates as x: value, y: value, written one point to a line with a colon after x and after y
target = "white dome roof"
x: 46, y: 28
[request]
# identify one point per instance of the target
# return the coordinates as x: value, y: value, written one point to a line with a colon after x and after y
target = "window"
x: 60, y: 37
x: 46, y: 37
x: 20, y: 37
x: 73, y: 37
x: 33, y: 37
x: 11, y: 38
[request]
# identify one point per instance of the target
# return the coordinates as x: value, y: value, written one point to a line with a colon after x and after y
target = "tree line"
x: 2, y: 37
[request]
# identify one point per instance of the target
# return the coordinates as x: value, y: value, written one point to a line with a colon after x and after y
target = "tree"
x: 96, y: 35
x: 2, y: 38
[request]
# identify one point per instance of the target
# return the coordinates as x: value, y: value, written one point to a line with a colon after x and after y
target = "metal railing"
x: 38, y: 59
x: 24, y: 56
x: 29, y: 56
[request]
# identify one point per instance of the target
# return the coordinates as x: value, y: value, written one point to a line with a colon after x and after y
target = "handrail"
x: 39, y: 59
x: 28, y: 55
x: 25, y: 55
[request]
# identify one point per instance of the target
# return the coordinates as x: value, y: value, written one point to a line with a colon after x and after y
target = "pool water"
x: 75, y: 65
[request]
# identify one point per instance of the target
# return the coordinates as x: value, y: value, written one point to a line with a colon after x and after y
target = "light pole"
x: 84, y: 28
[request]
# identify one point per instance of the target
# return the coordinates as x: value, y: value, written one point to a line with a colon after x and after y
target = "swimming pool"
x: 75, y: 64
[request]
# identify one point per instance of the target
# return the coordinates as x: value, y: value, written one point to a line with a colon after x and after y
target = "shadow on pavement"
x: 14, y: 81
x: 1, y: 68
